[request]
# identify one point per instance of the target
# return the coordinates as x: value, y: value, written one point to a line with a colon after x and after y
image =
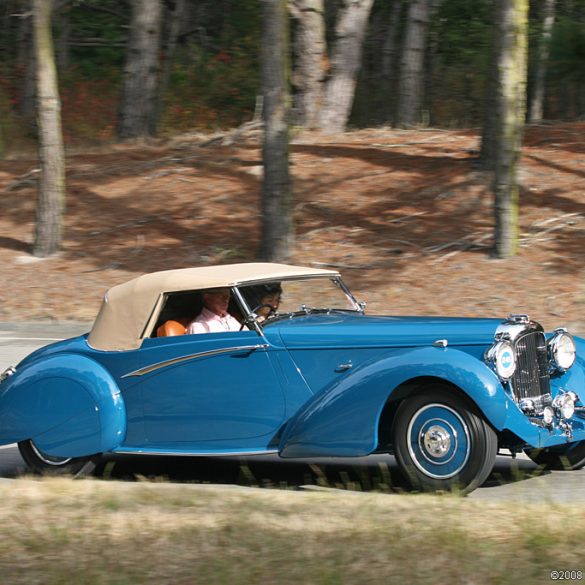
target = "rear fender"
x: 68, y: 404
x: 343, y: 420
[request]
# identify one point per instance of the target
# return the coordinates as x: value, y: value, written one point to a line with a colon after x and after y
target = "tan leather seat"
x: 171, y: 328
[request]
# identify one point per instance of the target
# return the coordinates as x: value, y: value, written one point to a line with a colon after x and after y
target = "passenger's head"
x: 217, y: 300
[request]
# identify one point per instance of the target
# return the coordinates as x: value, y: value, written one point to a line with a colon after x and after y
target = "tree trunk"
x: 345, y: 64
x: 487, y: 155
x: 51, y: 190
x: 311, y: 52
x: 511, y: 108
x: 138, y: 107
x: 389, y: 68
x: 64, y: 24
x: 26, y: 67
x: 536, y: 110
x: 410, y: 88
x: 277, y: 226
x: 176, y: 15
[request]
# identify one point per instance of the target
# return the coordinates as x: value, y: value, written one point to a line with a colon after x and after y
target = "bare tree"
x: 312, y: 60
x: 175, y: 17
x: 410, y: 86
x: 536, y: 109
x: 51, y: 190
x: 138, y: 107
x: 390, y: 51
x: 277, y: 225
x: 25, y: 64
x: 346, y: 59
x: 510, y: 103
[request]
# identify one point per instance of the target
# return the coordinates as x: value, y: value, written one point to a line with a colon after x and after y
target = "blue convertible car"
x: 304, y: 373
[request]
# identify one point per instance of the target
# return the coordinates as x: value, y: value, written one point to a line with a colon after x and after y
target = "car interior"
x: 180, y: 308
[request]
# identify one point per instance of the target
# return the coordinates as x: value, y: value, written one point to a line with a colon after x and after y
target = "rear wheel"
x: 44, y: 464
x: 562, y: 457
x: 441, y: 444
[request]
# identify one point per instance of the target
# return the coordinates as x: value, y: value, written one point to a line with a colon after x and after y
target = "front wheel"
x: 441, y: 444
x: 568, y: 457
x: 43, y: 464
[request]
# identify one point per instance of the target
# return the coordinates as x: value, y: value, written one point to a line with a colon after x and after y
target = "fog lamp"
x: 548, y: 416
x: 564, y: 405
x: 527, y: 406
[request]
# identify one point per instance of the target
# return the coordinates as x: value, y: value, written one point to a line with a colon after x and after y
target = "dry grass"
x: 63, y: 531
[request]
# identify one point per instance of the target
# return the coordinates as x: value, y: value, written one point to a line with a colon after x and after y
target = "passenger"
x: 214, y: 317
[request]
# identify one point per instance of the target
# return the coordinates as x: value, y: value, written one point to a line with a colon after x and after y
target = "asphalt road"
x: 512, y: 479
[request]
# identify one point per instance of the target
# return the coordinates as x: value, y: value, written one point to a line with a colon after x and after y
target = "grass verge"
x: 58, y: 531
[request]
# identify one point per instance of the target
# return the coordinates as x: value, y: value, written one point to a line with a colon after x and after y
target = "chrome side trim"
x: 193, y: 356
x: 154, y: 453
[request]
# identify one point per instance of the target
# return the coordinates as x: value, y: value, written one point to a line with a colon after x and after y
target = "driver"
x: 264, y: 299
x: 214, y: 317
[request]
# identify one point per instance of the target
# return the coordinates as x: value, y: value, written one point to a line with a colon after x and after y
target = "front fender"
x: 343, y: 419
x: 68, y: 404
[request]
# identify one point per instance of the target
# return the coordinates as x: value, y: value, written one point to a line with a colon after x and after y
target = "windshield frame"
x: 251, y: 319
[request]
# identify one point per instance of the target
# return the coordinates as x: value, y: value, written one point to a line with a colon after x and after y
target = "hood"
x: 342, y: 330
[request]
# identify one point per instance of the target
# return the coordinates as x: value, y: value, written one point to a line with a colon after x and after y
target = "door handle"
x: 344, y: 367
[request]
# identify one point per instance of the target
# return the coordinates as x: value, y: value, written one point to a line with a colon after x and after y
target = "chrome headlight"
x: 562, y: 350
x: 502, y: 358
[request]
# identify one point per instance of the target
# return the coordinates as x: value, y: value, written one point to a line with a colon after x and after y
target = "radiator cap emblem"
x: 519, y: 319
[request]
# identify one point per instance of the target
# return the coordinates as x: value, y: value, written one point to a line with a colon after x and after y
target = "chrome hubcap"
x: 437, y: 441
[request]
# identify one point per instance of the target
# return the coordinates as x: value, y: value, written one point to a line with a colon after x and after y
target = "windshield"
x: 289, y: 297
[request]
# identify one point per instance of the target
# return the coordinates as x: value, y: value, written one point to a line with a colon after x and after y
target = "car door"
x: 207, y: 391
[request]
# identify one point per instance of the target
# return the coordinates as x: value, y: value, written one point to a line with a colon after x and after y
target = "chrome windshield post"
x: 250, y: 318
x: 357, y: 305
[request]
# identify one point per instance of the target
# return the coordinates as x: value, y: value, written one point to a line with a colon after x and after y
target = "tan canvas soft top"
x: 127, y: 308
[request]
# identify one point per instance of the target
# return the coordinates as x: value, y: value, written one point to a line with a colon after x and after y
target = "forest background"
x: 214, y: 64
x: 400, y: 203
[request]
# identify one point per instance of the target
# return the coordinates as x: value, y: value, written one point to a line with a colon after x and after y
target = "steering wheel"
x: 271, y: 310
x: 255, y: 310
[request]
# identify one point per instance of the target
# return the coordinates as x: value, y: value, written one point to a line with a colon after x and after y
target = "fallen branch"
x: 345, y: 266
x: 463, y: 247
x: 403, y: 217
x: 568, y: 219
x: 27, y: 180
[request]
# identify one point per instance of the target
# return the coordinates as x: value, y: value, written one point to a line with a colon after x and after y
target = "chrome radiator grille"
x: 531, y: 378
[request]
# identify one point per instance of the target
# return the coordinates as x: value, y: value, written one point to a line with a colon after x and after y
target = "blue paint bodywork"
x: 312, y: 385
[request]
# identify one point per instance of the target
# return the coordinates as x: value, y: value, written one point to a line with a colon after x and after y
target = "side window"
x: 179, y: 309
x: 214, y: 310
